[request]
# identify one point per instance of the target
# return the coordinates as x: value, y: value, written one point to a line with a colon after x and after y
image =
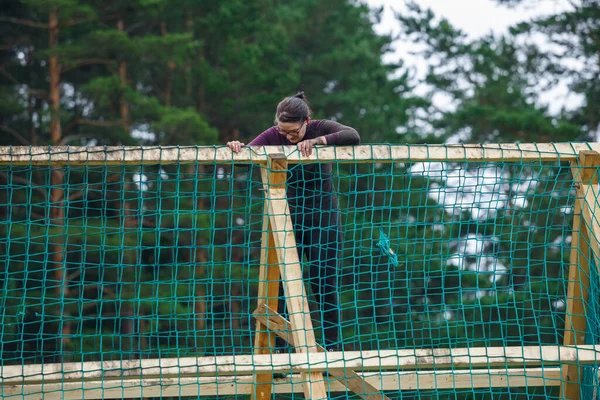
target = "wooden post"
x: 283, y: 246
x: 268, y: 298
x: 586, y: 233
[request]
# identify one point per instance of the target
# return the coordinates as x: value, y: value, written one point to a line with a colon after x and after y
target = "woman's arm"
x: 266, y: 138
x: 337, y: 134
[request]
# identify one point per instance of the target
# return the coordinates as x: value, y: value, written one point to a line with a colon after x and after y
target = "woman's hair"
x: 293, y: 109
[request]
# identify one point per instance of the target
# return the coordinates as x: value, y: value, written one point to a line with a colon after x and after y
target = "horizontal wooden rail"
x: 243, y: 385
x: 99, y: 155
x: 477, y: 357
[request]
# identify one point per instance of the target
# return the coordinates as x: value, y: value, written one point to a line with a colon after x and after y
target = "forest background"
x: 161, y: 260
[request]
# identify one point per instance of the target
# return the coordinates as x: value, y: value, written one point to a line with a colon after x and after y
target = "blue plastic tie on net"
x: 384, y: 245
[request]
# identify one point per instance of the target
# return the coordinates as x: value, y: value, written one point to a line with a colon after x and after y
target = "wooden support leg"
x: 282, y: 251
x: 268, y: 292
x: 295, y: 294
x: 585, y: 236
x: 291, y: 270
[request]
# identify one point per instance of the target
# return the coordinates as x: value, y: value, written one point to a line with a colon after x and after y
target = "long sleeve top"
x: 310, y: 186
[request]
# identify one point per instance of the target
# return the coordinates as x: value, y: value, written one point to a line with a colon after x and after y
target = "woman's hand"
x: 235, y: 146
x: 306, y: 146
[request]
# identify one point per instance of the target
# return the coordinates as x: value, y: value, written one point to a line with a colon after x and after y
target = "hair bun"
x: 292, y: 110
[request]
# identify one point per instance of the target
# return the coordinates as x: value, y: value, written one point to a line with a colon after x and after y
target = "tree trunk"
x: 128, y: 217
x: 57, y: 176
x: 235, y: 309
x: 187, y: 68
x: 200, y: 305
x: 55, y: 133
x: 124, y: 106
x: 170, y: 69
x: 143, y: 327
x: 31, y: 102
x: 57, y: 212
x: 126, y: 319
x: 201, y: 99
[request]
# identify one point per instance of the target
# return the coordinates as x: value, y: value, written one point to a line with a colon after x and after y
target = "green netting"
x: 150, y: 260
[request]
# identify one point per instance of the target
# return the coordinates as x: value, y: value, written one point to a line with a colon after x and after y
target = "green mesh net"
x: 150, y: 260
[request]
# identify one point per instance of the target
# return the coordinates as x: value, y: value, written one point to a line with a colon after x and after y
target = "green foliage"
x: 184, y: 127
x: 491, y: 81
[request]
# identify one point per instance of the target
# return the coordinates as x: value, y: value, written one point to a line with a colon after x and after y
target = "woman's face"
x: 293, y: 131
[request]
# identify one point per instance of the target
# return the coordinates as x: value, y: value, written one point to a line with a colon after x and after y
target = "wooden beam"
x: 589, y: 161
x: 348, y: 378
x: 586, y: 183
x: 269, y: 278
x: 291, y: 273
x: 248, y: 364
x: 291, y: 270
x: 585, y: 234
x: 577, y: 296
x: 268, y: 298
x: 136, y: 155
x: 243, y: 385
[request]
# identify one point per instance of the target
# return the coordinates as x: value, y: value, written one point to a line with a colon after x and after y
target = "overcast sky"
x: 475, y: 18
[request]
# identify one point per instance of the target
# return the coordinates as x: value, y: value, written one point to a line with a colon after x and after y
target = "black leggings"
x: 319, y: 238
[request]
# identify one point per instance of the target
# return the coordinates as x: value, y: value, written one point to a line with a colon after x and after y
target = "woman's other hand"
x: 306, y: 146
x: 235, y: 146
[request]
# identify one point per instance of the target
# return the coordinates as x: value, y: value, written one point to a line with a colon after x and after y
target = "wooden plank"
x: 585, y: 233
x: 591, y: 212
x: 589, y: 161
x: 577, y: 297
x: 268, y: 298
x: 291, y: 271
x: 293, y: 286
x: 586, y: 182
x: 348, y: 378
x: 242, y: 385
x: 135, y: 155
x: 248, y: 364
x: 273, y: 174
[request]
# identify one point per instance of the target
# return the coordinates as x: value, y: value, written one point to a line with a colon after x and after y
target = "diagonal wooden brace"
x: 348, y: 378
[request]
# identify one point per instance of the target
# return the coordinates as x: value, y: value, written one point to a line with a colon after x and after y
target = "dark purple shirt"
x: 310, y: 186
x: 335, y: 133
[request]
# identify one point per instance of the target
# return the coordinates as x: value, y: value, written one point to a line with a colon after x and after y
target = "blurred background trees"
x: 161, y: 259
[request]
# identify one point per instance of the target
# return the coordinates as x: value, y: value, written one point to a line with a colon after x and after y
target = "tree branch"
x: 14, y: 134
x: 26, y: 22
x: 36, y: 215
x: 68, y: 139
x: 90, y: 122
x: 78, y: 195
x: 39, y: 93
x: 24, y: 181
x: 89, y: 61
x: 74, y: 275
x: 9, y: 46
x: 74, y: 22
x: 4, y: 72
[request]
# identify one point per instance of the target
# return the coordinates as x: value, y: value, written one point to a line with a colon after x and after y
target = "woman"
x: 313, y: 205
